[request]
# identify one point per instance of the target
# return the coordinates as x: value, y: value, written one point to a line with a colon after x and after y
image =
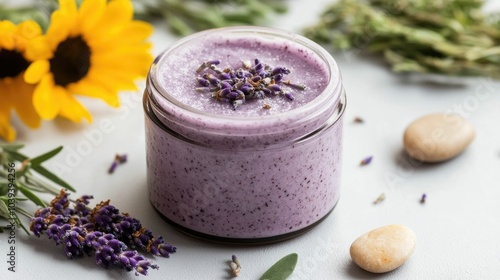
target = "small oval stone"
x: 383, y: 249
x: 437, y: 137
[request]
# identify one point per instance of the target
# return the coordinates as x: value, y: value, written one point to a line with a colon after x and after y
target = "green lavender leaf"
x: 33, y: 197
x: 281, y: 269
x: 11, y: 147
x: 4, y: 210
x: 41, y: 158
x: 51, y: 176
x: 15, y: 156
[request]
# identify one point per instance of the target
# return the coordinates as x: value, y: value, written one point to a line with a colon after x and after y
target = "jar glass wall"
x: 249, y: 175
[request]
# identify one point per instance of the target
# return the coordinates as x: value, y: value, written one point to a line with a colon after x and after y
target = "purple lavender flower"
x: 38, y: 225
x: 159, y: 248
x: 60, y: 204
x: 131, y: 260
x: 102, y: 231
x: 81, y: 208
x: 74, y: 241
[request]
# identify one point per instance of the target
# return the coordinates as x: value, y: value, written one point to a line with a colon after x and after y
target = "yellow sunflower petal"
x: 59, y: 29
x: 71, y: 108
x: 6, y: 130
x: 89, y: 14
x: 112, y: 82
x: 26, y: 31
x: 23, y: 103
x: 46, y: 99
x: 36, y: 71
x: 133, y: 32
x: 38, y: 48
x: 68, y: 7
x: 7, y: 28
x: 117, y: 12
x: 93, y: 89
x: 117, y: 80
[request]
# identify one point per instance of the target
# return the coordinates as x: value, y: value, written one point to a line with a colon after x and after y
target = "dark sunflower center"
x: 12, y: 63
x: 71, y: 61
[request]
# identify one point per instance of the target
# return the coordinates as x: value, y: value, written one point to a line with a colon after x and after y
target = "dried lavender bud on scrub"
x: 247, y: 82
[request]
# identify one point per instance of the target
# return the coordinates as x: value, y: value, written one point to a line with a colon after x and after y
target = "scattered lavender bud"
x: 358, y: 120
x: 207, y: 64
x: 203, y: 89
x: 237, y: 103
x: 119, y: 159
x: 295, y: 86
x: 247, y: 89
x: 213, y: 62
x: 275, y: 88
x: 256, y: 79
x: 247, y: 64
x: 215, y: 69
x: 113, y: 166
x: 280, y: 70
x: 212, y: 79
x: 366, y: 161
x: 224, y: 76
x: 203, y: 82
x: 424, y: 197
x: 267, y: 91
x: 225, y: 92
x: 230, y: 81
x: 234, y: 268
x: 235, y: 260
x: 232, y: 95
x: 379, y: 199
x: 289, y: 95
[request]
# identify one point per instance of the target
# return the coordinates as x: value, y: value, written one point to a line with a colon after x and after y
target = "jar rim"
x: 329, y: 96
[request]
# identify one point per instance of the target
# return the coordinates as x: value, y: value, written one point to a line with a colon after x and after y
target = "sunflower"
x: 94, y: 50
x: 15, y: 94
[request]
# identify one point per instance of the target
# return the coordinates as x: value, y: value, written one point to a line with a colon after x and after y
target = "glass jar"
x: 231, y: 176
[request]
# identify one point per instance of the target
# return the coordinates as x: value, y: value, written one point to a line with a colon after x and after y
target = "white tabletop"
x: 457, y: 229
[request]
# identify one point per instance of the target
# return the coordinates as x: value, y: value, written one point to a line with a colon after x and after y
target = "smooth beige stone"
x: 383, y: 249
x: 438, y: 137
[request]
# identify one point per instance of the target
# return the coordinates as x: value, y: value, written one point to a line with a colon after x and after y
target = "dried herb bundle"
x: 452, y: 37
x: 182, y: 16
x: 187, y: 16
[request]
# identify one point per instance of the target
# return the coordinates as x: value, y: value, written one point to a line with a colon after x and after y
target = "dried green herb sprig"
x: 452, y: 37
x: 19, y: 183
x: 39, y: 12
x: 187, y: 16
x: 182, y: 16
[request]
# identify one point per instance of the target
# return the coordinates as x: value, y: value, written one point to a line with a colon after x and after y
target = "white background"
x: 457, y: 229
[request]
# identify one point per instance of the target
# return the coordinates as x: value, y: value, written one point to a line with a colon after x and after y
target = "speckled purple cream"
x: 249, y: 173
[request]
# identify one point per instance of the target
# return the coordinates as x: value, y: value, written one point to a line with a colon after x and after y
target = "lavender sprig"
x: 235, y: 86
x: 102, y: 231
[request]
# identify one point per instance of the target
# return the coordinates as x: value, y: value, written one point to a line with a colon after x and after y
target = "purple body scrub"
x: 265, y: 171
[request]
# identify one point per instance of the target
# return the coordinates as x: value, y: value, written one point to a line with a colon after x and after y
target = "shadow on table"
x: 357, y: 272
